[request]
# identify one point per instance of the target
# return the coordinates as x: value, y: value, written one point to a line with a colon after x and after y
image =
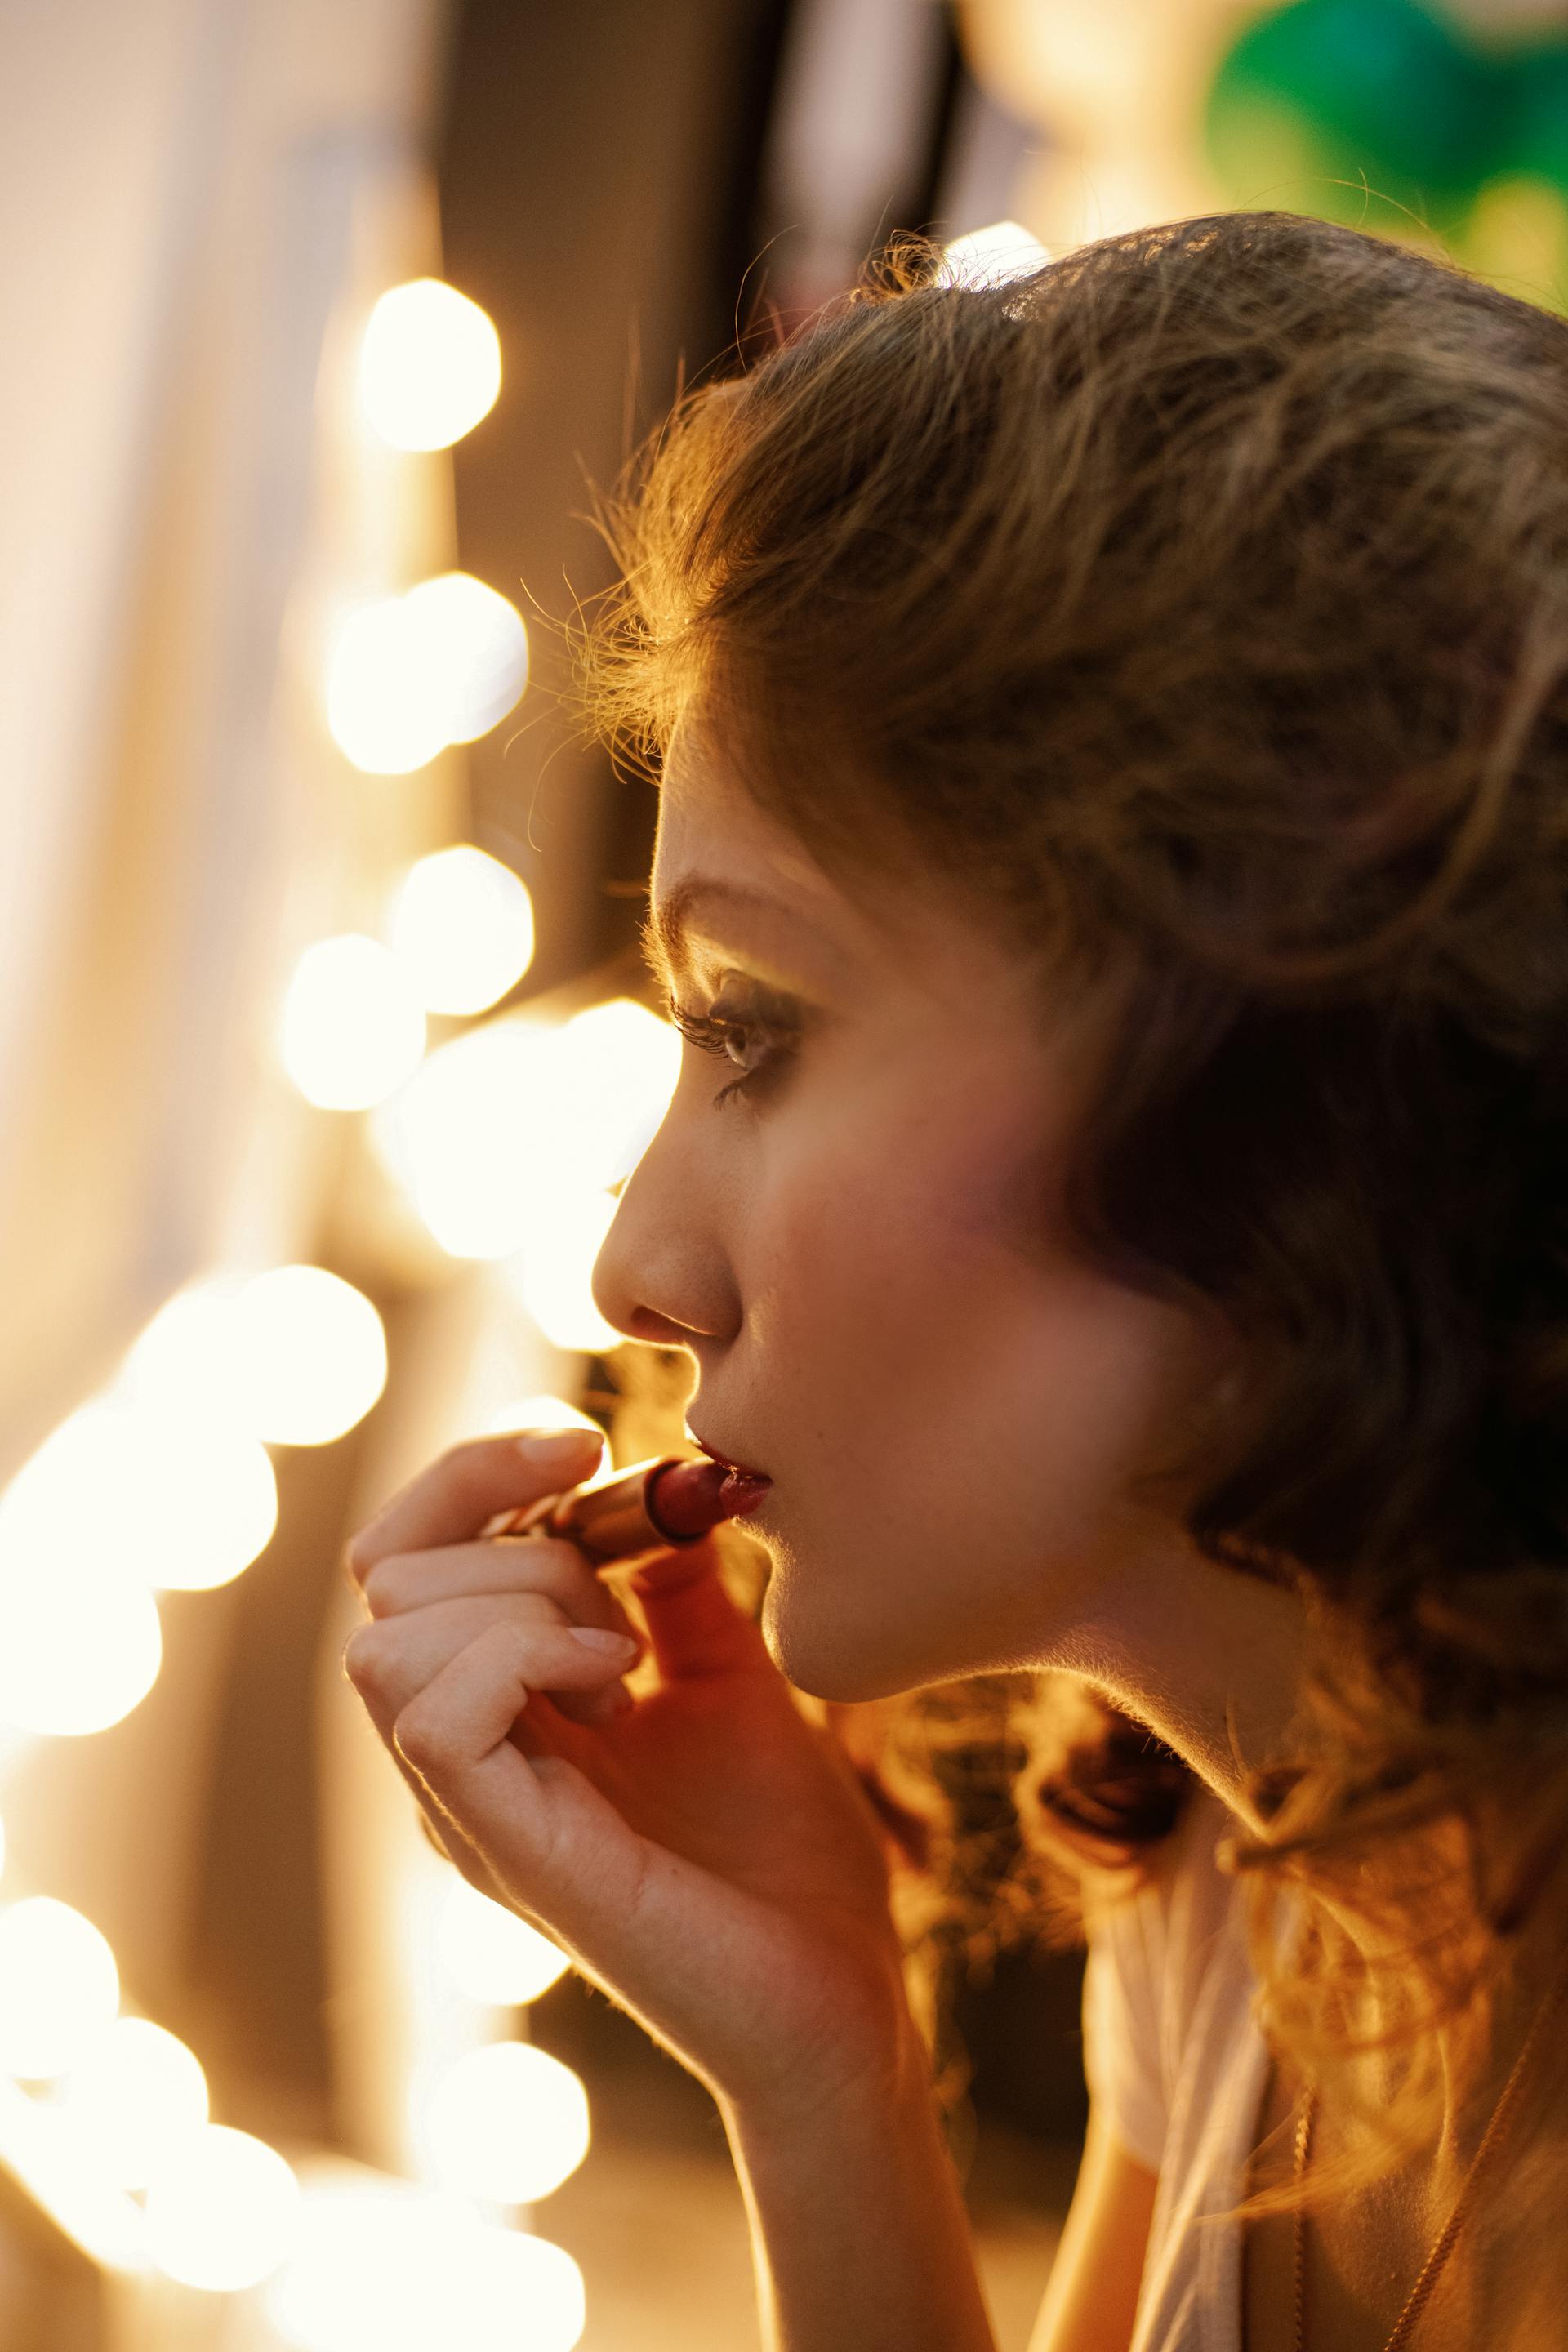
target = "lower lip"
x: 745, y: 1492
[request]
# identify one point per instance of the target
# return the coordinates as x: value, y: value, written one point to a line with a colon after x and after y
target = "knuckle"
x: 425, y: 1738
x: 381, y: 1586
x: 366, y: 1660
x: 358, y: 1555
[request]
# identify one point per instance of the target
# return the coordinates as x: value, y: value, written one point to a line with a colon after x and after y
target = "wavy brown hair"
x: 1198, y: 605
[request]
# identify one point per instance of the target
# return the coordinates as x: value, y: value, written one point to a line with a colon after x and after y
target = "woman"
x: 1113, y: 826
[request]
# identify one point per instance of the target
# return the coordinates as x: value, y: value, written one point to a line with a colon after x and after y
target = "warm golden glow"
x: 59, y: 1989
x: 353, y: 1030
x: 430, y: 365
x: 380, y: 2262
x: 552, y: 1274
x: 461, y: 927
x: 619, y: 1066
x: 80, y: 1643
x: 537, y: 1412
x: 468, y: 1138
x: 195, y: 1498
x: 310, y: 1355
x: 492, y: 1955
x: 507, y: 2123
x: 136, y: 2093
x: 408, y: 675
x: 506, y: 1139
x: 293, y: 1356
x: 223, y: 2210
x: 473, y: 650
x: 384, y: 709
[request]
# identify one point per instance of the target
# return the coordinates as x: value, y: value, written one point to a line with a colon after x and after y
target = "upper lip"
x: 727, y: 1459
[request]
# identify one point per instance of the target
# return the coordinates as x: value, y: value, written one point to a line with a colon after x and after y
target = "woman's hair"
x: 1198, y: 606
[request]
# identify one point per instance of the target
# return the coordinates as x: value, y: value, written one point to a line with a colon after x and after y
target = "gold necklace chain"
x: 1502, y: 2116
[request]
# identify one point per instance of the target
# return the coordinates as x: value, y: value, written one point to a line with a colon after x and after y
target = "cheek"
x: 912, y: 1308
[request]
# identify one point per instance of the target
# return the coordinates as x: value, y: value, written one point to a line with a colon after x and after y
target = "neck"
x: 1211, y: 1661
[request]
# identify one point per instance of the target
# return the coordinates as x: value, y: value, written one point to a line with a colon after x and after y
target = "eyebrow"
x: 664, y: 933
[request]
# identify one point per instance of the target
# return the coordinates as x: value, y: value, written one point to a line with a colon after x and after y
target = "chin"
x: 823, y: 1658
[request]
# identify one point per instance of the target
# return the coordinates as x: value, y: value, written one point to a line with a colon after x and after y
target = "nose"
x: 662, y: 1275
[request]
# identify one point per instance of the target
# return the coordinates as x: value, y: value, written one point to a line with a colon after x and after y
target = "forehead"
x: 707, y: 819
x: 734, y: 876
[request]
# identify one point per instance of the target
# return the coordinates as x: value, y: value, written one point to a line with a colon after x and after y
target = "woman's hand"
x: 704, y: 1852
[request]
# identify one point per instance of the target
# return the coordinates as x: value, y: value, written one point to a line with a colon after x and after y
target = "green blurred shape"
x: 1373, y: 91
x: 1535, y: 139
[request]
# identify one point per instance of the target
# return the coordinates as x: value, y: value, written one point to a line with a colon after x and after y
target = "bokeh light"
x: 408, y: 675
x: 382, y: 712
x: 59, y: 1988
x: 492, y: 1955
x: 382, y: 2266
x: 618, y: 1068
x: 430, y: 365
x: 139, y: 2092
x: 293, y: 1356
x: 539, y: 1411
x: 352, y: 1029
x: 473, y: 649
x: 223, y: 2210
x: 80, y: 1644
x: 461, y: 926
x: 507, y: 2123
x: 311, y: 1355
x: 507, y: 1141
x: 552, y: 1275
x: 193, y: 1499
x: 468, y: 1138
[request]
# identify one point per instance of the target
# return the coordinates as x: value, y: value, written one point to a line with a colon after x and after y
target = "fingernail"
x: 599, y: 1637
x: 549, y: 1448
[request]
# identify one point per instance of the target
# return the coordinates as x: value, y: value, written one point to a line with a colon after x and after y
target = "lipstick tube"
x: 657, y: 1505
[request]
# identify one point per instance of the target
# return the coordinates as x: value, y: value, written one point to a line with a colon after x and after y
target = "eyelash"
x: 712, y: 1031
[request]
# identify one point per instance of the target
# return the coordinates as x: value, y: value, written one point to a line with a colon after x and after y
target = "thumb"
x: 694, y: 1627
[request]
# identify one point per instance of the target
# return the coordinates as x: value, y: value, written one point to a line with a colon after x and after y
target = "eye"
x: 732, y: 1029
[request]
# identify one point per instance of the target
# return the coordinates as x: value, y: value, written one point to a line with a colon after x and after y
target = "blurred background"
x: 324, y: 1047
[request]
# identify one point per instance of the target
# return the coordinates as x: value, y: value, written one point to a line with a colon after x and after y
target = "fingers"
x: 451, y: 1500
x: 540, y: 1564
x: 694, y: 1627
x: 391, y: 1660
x: 554, y: 1842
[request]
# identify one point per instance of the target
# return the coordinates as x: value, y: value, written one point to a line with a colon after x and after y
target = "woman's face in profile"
x: 860, y: 1252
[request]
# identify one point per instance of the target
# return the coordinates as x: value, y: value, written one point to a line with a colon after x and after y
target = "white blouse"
x: 1177, y: 2068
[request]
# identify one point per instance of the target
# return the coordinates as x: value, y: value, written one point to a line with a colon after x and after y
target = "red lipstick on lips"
x: 651, y: 1506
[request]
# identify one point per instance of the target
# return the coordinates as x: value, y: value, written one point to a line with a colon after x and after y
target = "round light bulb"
x: 492, y: 1955
x: 470, y: 1137
x: 382, y: 2266
x: 473, y: 649
x: 223, y: 2210
x: 461, y: 926
x: 59, y: 1988
x: 507, y: 2123
x: 80, y: 1644
x: 553, y: 1273
x: 139, y: 2092
x: 430, y: 365
x: 314, y: 1351
x: 385, y: 710
x: 192, y: 1498
x: 351, y: 1029
x: 618, y: 1066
